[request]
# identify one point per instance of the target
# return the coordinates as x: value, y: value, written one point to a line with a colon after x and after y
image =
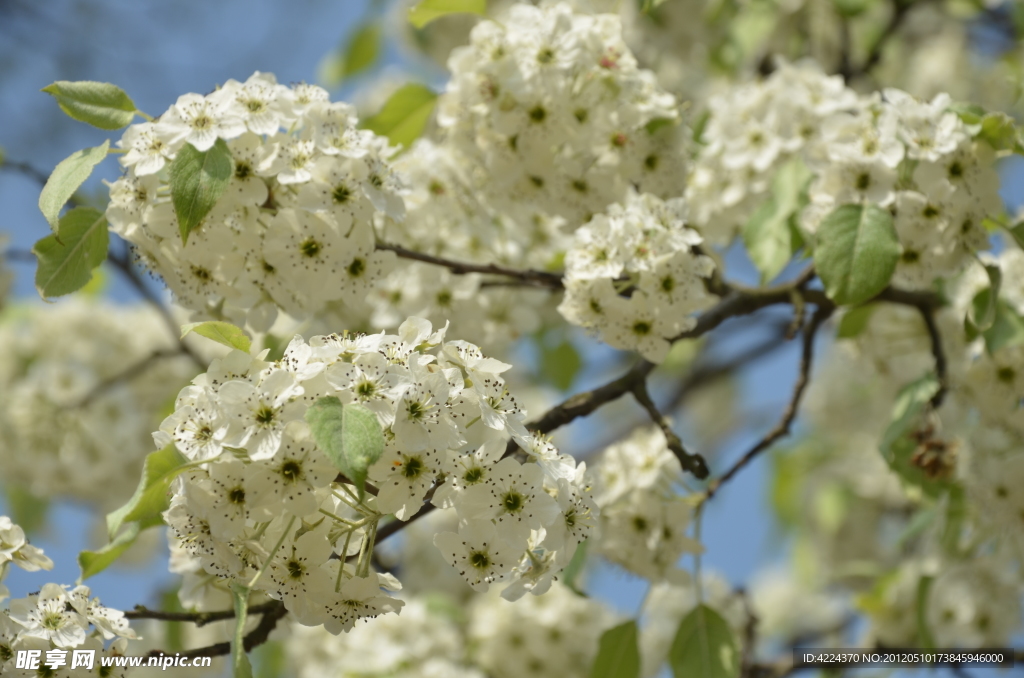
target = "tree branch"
x: 26, y: 169
x: 900, y: 8
x: 197, y: 618
x: 128, y: 374
x: 693, y: 463
x: 124, y: 265
x: 782, y: 428
x: 272, y: 613
x: 532, y: 277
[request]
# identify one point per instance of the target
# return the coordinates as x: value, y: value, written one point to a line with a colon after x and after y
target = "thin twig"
x: 123, y: 264
x: 527, y: 276
x: 900, y: 8
x: 24, y: 168
x: 693, y: 463
x: 127, y: 374
x: 21, y: 256
x: 272, y: 612
x: 782, y: 428
x: 197, y: 618
x: 938, y: 354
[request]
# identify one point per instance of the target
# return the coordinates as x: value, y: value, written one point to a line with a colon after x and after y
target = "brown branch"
x: 782, y: 428
x: 533, y: 277
x: 693, y: 463
x: 22, y: 256
x: 124, y: 265
x: 127, y: 374
x: 737, y: 302
x: 197, y: 618
x: 938, y: 354
x: 26, y: 169
x: 900, y: 8
x: 272, y: 613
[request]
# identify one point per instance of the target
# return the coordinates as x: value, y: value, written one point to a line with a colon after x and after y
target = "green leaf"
x: 856, y: 253
x: 855, y: 321
x: 271, y: 660
x: 769, y: 233
x: 898, y: 444
x: 27, y: 510
x: 1017, y: 231
x: 574, y: 569
x: 560, y: 365
x: 150, y: 498
x: 240, y: 666
x: 67, y: 259
x: 349, y: 435
x: 999, y: 130
x: 982, y: 313
x: 924, y: 635
x: 404, y: 116
x: 428, y: 10
x: 66, y: 178
x: 1007, y: 328
x: 618, y: 655
x: 94, y: 562
x: 223, y: 333
x: 648, y: 6
x: 704, y: 647
x: 357, y: 54
x: 198, y: 180
x: 851, y: 8
x: 98, y: 103
x: 971, y: 114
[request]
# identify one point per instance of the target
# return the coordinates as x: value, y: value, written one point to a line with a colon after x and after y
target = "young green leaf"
x: 404, y: 116
x: 240, y: 666
x: 359, y: 53
x: 67, y: 259
x: 574, y: 569
x: 704, y: 647
x: 899, y: 443
x: 648, y: 6
x: 982, y: 312
x: 769, y: 234
x: 66, y: 178
x: 618, y: 655
x: 1017, y: 232
x: 924, y: 634
x: 150, y: 498
x: 1007, y: 328
x: 856, y: 252
x: 223, y: 333
x: 93, y: 562
x: 560, y: 364
x: 349, y: 435
x: 855, y: 321
x: 428, y: 10
x: 198, y: 180
x: 98, y: 103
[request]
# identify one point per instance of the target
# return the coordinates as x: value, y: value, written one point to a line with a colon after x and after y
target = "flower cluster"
x: 643, y: 517
x: 644, y: 249
x: 54, y: 619
x: 939, y: 208
x: 553, y: 116
x: 75, y: 415
x: 918, y: 160
x: 421, y: 643
x: 551, y: 636
x: 261, y: 502
x: 294, y: 229
x: 752, y: 129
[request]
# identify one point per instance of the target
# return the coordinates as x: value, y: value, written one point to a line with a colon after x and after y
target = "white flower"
x: 46, y: 616
x: 477, y: 552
